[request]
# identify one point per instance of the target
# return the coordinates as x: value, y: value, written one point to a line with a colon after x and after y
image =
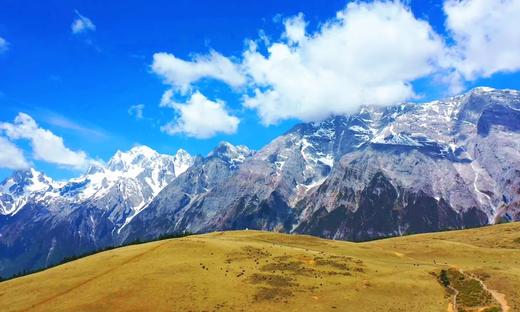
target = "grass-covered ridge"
x: 93, y: 252
x: 261, y: 271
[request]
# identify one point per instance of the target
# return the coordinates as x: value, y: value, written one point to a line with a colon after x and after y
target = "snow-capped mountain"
x: 384, y: 171
x: 20, y: 187
x: 127, y: 183
x: 381, y: 172
x: 170, y: 211
x: 108, y: 194
x: 440, y: 165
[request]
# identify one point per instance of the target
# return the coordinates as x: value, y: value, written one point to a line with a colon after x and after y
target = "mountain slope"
x: 388, y: 171
x: 384, y: 171
x: 426, y: 171
x: 261, y: 271
x: 167, y: 212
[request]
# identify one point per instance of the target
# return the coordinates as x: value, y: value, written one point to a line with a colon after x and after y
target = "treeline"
x: 86, y: 254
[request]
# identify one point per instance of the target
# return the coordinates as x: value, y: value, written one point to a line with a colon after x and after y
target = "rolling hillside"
x: 470, y: 270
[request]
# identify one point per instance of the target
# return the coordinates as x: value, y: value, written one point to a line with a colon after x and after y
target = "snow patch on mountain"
x: 18, y: 189
x: 129, y: 180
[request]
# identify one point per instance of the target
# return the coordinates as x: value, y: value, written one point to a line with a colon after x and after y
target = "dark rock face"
x: 271, y: 214
x: 498, y: 115
x: 46, y: 240
x: 382, y: 212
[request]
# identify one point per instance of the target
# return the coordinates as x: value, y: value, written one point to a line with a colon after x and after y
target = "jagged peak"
x: 122, y: 160
x: 482, y: 89
x: 30, y: 179
x: 142, y: 150
x: 135, y: 150
x: 230, y: 153
x: 26, y: 174
x: 182, y: 161
x: 182, y: 153
x: 95, y: 167
x: 224, y: 147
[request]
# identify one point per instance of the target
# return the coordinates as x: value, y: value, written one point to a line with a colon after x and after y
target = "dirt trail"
x: 452, y: 306
x: 499, y: 297
x: 131, y: 259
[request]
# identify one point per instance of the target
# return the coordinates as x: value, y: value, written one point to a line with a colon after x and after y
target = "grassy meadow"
x: 469, y: 270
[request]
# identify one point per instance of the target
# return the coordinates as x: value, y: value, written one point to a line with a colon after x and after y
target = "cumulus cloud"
x: 485, y: 34
x: 11, y: 156
x: 82, y: 24
x: 136, y: 111
x: 3, y: 45
x: 295, y: 28
x: 369, y: 54
x: 181, y: 74
x: 201, y: 118
x: 46, y: 146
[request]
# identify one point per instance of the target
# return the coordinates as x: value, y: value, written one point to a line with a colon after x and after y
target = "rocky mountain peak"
x: 19, y: 187
x: 25, y: 180
x: 95, y: 167
x: 482, y: 89
x: 230, y: 153
x: 137, y: 155
x: 182, y: 161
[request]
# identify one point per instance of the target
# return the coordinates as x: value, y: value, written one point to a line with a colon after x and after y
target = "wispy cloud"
x: 136, y: 111
x: 182, y: 74
x: 82, y: 128
x: 82, y: 24
x: 63, y: 122
x: 4, y: 45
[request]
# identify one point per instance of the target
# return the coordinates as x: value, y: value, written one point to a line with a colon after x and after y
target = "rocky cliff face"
x: 384, y: 171
x: 441, y: 165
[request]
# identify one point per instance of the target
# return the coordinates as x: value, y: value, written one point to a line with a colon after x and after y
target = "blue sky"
x: 81, y: 84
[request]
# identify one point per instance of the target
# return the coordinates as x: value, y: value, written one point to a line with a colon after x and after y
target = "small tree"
x: 443, y: 278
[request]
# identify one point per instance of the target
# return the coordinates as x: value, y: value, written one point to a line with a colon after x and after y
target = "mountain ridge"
x: 384, y: 171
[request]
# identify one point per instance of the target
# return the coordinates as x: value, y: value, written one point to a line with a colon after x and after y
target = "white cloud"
x: 11, y: 156
x: 368, y: 55
x: 46, y: 146
x: 201, y: 118
x: 295, y: 28
x: 166, y: 99
x: 3, y: 45
x: 486, y: 36
x: 182, y: 74
x: 136, y: 111
x: 82, y: 24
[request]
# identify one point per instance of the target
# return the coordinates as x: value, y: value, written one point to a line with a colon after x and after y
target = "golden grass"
x: 260, y: 271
